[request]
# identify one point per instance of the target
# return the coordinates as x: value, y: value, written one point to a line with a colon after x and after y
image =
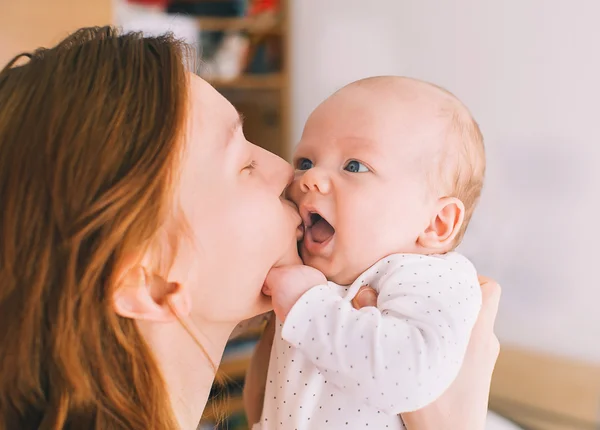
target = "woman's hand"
x: 464, y: 405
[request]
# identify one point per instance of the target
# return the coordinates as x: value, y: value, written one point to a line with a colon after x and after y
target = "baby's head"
x: 385, y: 165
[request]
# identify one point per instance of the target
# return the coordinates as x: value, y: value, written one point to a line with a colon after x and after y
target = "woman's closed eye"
x: 354, y: 166
x: 304, y: 164
x: 250, y: 167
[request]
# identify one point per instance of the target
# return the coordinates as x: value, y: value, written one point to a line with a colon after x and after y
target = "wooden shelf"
x: 270, y: 81
x: 263, y: 98
x: 250, y: 24
x: 531, y: 388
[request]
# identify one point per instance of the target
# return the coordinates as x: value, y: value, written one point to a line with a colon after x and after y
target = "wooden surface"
x: 29, y: 24
x: 250, y: 24
x: 266, y: 81
x: 541, y: 391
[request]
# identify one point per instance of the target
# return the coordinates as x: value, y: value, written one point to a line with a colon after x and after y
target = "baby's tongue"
x: 321, y: 231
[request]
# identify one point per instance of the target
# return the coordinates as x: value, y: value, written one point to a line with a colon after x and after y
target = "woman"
x: 136, y: 231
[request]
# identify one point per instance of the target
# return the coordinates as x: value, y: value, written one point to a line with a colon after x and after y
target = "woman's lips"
x: 300, y: 232
x: 290, y: 204
x: 298, y: 218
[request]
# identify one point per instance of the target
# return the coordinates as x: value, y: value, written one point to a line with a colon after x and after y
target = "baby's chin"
x: 334, y: 270
x: 344, y: 277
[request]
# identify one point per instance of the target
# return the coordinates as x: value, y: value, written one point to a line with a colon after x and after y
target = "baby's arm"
x: 403, y: 354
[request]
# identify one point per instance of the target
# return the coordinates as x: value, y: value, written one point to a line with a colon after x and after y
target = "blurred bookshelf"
x: 244, y: 50
x: 249, y: 82
x: 252, y: 25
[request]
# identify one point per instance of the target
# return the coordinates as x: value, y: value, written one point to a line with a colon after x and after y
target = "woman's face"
x: 230, y: 196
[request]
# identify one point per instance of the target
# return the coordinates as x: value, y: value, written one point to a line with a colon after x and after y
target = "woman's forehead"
x: 211, y: 116
x: 207, y: 103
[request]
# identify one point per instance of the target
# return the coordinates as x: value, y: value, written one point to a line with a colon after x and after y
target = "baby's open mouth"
x: 318, y: 228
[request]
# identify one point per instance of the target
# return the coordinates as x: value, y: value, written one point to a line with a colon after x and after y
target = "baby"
x: 388, y: 172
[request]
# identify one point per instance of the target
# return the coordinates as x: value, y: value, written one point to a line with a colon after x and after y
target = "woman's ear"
x: 139, y: 295
x: 444, y: 225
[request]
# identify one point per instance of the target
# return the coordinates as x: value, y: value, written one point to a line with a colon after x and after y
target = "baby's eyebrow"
x: 361, y: 144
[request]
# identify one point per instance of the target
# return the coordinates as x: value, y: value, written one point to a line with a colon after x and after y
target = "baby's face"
x: 361, y: 181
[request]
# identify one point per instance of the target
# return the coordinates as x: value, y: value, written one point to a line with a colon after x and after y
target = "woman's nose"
x: 277, y: 172
x: 316, y: 180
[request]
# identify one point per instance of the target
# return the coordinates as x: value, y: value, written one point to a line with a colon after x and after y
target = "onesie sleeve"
x: 403, y: 354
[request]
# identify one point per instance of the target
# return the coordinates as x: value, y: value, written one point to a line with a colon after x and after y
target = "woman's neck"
x: 187, y: 372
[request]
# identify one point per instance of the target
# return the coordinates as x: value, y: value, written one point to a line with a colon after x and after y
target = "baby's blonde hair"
x: 462, y: 175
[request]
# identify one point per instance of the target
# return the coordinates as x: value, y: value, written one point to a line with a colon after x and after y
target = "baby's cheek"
x: 361, y: 248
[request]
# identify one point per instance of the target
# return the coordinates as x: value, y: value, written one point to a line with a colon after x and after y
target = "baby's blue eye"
x: 304, y: 164
x: 354, y: 166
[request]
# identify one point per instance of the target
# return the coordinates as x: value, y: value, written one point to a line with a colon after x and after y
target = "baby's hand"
x: 286, y: 284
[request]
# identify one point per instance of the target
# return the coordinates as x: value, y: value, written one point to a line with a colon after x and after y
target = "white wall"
x: 530, y: 72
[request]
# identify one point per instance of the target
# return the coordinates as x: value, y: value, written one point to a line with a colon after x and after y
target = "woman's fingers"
x: 484, y: 279
x: 490, y: 292
x: 483, y: 336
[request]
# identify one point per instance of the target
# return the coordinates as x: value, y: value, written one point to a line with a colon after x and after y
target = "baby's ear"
x: 444, y: 225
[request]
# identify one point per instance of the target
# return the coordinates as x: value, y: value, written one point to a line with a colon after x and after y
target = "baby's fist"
x: 287, y: 284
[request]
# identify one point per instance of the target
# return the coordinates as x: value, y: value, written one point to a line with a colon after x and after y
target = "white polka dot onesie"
x: 335, y: 367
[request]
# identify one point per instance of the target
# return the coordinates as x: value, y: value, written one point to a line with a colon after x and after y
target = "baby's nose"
x: 315, y: 180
